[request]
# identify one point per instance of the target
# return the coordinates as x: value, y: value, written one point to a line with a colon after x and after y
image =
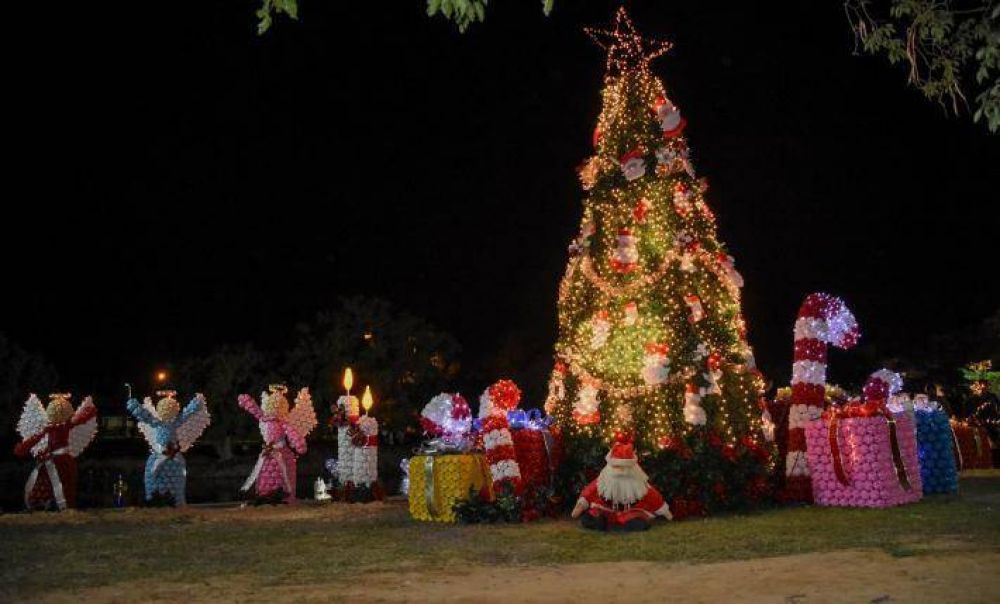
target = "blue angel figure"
x: 170, y: 433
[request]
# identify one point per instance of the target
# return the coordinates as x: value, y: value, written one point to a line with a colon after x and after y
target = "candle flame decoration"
x: 348, y: 380
x: 366, y: 399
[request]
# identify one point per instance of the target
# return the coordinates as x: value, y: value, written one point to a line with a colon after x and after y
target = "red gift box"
x: 539, y: 453
x: 973, y: 446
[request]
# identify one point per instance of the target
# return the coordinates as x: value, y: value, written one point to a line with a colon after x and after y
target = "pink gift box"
x: 866, y: 454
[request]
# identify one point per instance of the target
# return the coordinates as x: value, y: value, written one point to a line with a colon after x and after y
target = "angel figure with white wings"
x: 284, y: 432
x: 170, y: 432
x: 54, y: 435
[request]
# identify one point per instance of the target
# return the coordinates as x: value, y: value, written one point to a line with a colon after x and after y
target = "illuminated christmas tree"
x: 652, y: 340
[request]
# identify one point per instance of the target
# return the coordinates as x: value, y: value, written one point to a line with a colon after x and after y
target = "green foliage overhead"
x: 461, y: 12
x: 466, y: 12
x: 269, y: 9
x: 950, y: 50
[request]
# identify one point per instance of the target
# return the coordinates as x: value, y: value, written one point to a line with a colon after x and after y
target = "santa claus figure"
x: 625, y: 258
x: 621, y: 496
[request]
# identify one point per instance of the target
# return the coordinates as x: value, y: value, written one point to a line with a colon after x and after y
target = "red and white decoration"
x: 694, y: 414
x: 641, y: 210
x: 687, y: 261
x: 712, y: 376
x: 586, y: 408
x: 823, y: 320
x: 669, y: 116
x: 494, y: 404
x: 350, y: 407
x: 600, y: 327
x: 694, y: 305
x: 674, y: 157
x: 620, y: 496
x: 655, y: 364
x: 364, y: 471
x: 447, y: 416
x: 633, y: 165
x: 557, y: 388
x: 883, y: 385
x: 727, y: 263
x: 631, y: 313
x: 683, y: 203
x: 625, y: 257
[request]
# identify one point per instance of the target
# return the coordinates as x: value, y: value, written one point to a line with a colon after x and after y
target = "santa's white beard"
x: 622, y: 487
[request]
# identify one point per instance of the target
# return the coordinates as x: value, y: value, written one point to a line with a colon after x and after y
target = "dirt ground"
x: 844, y: 576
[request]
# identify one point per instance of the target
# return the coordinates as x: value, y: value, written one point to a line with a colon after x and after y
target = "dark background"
x: 177, y: 182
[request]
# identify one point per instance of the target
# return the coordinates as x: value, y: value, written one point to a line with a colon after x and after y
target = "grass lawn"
x: 313, y: 543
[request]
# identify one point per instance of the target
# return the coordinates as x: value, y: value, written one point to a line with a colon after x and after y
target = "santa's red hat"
x: 622, y: 454
x: 633, y: 154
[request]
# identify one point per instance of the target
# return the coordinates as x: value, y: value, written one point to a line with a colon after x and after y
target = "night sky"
x: 179, y: 182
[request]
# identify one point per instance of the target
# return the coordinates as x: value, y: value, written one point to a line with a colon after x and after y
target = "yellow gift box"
x: 438, y: 481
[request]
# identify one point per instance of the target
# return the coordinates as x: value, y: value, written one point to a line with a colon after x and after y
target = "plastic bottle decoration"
x: 284, y: 433
x: 404, y: 483
x: 655, y: 364
x: 621, y: 496
x: 683, y: 203
x: 54, y: 436
x: 447, y: 421
x: 631, y: 313
x: 694, y: 414
x: 365, y: 457
x: 494, y: 404
x: 601, y: 329
x: 319, y: 490
x: 346, y: 413
x: 444, y: 472
x: 863, y: 455
x: 169, y: 433
x: 669, y: 116
x: 633, y: 165
x: 694, y: 306
x: 823, y: 320
x: 728, y: 264
x: 587, y: 408
x: 713, y: 374
x: 625, y: 258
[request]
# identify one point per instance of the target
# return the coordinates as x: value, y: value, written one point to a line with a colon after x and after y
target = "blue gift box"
x: 935, y: 449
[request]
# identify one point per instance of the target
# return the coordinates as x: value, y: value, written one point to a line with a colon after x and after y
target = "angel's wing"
x: 193, y: 424
x: 147, y: 404
x: 83, y: 432
x: 33, y: 419
x: 147, y: 431
x: 303, y: 417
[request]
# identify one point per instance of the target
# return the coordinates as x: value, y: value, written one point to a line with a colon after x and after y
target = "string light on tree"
x: 649, y: 292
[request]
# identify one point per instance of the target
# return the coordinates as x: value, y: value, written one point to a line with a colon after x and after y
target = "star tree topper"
x: 627, y: 50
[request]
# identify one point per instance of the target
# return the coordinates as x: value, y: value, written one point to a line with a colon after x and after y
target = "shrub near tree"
x: 404, y: 358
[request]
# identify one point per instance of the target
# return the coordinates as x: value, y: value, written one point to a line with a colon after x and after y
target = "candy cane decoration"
x: 494, y: 404
x: 823, y: 320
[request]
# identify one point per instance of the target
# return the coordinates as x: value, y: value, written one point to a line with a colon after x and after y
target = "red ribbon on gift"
x: 868, y: 409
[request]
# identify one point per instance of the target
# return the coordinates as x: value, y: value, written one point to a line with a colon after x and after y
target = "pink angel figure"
x: 55, y: 436
x: 284, y: 432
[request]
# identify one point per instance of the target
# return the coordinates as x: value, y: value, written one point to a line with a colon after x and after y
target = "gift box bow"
x: 856, y: 409
x: 532, y: 419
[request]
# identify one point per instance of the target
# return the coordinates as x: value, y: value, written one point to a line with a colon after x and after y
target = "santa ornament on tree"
x: 621, y: 496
